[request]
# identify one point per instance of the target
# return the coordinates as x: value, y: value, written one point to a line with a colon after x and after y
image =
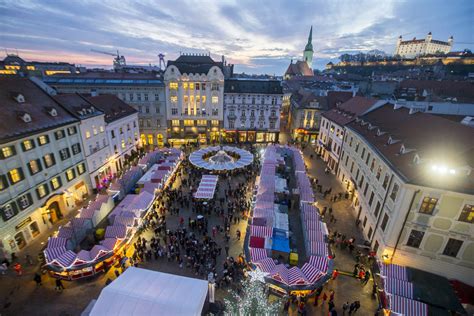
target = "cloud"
x: 258, y: 36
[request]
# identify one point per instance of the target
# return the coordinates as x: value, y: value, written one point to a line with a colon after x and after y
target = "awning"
x: 407, y: 307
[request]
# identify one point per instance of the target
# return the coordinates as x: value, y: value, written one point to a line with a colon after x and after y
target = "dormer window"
x: 402, y: 149
x: 379, y: 132
x: 25, y: 117
x: 19, y: 97
x: 53, y: 112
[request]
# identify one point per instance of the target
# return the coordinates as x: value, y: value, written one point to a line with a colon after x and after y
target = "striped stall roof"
x: 320, y: 263
x: 55, y: 242
x: 317, y: 248
x: 261, y: 231
x: 109, y: 243
x: 53, y: 253
x: 406, y: 306
x: 118, y: 231
x: 66, y: 259
x: 311, y: 273
x: 87, y: 212
x: 315, y: 235
x: 84, y: 255
x: 296, y: 277
x: 78, y: 222
x: 398, y: 287
x: 257, y: 254
x: 98, y: 251
x: 266, y: 265
x: 65, y: 232
x: 313, y: 225
x: 124, y: 220
x: 395, y: 271
x: 280, y: 273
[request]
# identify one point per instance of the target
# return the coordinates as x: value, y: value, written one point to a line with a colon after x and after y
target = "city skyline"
x: 257, y: 38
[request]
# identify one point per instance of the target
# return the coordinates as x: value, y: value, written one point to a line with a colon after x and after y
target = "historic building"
x: 302, y: 67
x: 410, y: 178
x: 43, y: 172
x: 252, y: 110
x: 194, y: 92
x: 331, y: 132
x: 144, y: 91
x: 12, y: 64
x: 417, y: 47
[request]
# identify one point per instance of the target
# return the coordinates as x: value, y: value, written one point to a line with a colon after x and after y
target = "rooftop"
x: 412, y: 143
x: 21, y: 100
x: 77, y: 105
x: 195, y: 63
x: 300, y: 68
x: 246, y: 85
x: 113, y: 108
x: 349, y: 110
x: 463, y: 91
x: 104, y: 78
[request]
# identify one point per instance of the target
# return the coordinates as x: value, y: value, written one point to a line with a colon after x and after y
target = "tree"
x: 251, y: 299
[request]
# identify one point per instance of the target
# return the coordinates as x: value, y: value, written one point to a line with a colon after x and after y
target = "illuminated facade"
x: 413, y: 192
x: 14, y: 65
x: 194, y: 92
x: 252, y: 110
x: 419, y: 47
x: 43, y: 172
x: 305, y: 116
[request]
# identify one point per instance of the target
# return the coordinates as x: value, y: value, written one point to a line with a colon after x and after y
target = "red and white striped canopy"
x: 408, y: 307
x: 257, y: 254
x: 311, y: 273
x: 296, y: 277
x: 55, y: 242
x: 266, y: 265
x: 313, y: 225
x: 66, y: 259
x: 317, y: 248
x: 398, y: 287
x: 116, y: 231
x: 320, y: 263
x: 315, y: 235
x: 395, y: 271
x: 280, y: 273
x: 53, y: 253
x: 261, y: 231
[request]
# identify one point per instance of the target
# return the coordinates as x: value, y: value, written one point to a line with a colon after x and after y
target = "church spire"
x: 309, y: 45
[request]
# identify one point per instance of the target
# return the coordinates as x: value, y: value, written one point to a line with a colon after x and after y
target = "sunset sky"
x: 258, y: 36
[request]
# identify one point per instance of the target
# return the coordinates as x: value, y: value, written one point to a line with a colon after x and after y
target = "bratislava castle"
x: 417, y: 47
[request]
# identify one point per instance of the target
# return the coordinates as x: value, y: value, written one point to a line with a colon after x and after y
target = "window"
x: 59, y: 134
x: 146, y: 96
x: 394, y: 193
x: 215, y: 111
x: 357, y: 148
x: 372, y: 165
x: 147, y: 109
x: 94, y: 130
x: 363, y: 153
x: 379, y: 172
x: 215, y: 123
x: 377, y: 209
x: 112, y: 134
x: 366, y: 187
x: 8, y: 211
x: 56, y: 183
x: 367, y: 160
x: 148, y: 124
x: 467, y: 214
x: 81, y: 168
x: 215, y: 99
x: 384, y: 222
x: 34, y: 166
x: 121, y: 130
x: 43, y: 140
x: 123, y: 143
x: 88, y: 134
x: 452, y: 247
x: 347, y: 160
x: 174, y: 111
x: 70, y: 174
x: 42, y: 191
x: 64, y: 153
x: 385, y: 181
x: 365, y: 222
x: 76, y: 148
x: 371, y: 198
x: 15, y: 175
x: 352, y: 167
x: 174, y: 98
x: 3, y: 182
x: 28, y: 145
x: 24, y: 201
x: 201, y: 122
x: 428, y: 205
x: 174, y: 122
x: 101, y: 128
x: 173, y: 85
x: 415, y: 238
x: 188, y: 123
x: 370, y: 232
x: 72, y: 130
x: 7, y: 152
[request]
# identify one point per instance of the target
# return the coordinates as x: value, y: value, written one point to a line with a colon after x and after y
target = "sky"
x: 257, y: 36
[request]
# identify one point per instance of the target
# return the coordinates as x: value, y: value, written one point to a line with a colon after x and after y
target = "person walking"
x: 366, y: 277
x: 345, y: 307
x: 59, y: 285
x: 18, y: 269
x: 357, y: 306
x: 37, y: 279
x: 335, y: 273
x: 351, y: 308
x: 226, y: 250
x: 238, y: 234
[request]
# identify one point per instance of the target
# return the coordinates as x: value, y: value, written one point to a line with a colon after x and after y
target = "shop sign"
x: 23, y: 223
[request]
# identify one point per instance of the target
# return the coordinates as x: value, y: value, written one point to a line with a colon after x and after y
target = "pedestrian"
x: 361, y: 274
x: 59, y: 285
x: 226, y: 250
x: 366, y: 278
x: 3, y: 268
x: 331, y: 295
x: 357, y: 306
x: 345, y: 307
x: 37, y: 279
x: 335, y: 273
x: 18, y: 269
x: 351, y: 308
x: 330, y: 305
x: 325, y: 297
x: 117, y: 273
x: 238, y: 234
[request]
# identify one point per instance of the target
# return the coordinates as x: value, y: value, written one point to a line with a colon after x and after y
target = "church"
x: 302, y: 67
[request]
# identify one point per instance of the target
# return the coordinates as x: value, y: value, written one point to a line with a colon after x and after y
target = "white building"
x: 410, y: 179
x: 252, y: 110
x: 331, y: 132
x: 418, y: 47
x: 145, y: 92
x: 43, y: 173
x: 194, y: 89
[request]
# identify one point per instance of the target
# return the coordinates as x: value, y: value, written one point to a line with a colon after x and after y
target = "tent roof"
x: 139, y: 291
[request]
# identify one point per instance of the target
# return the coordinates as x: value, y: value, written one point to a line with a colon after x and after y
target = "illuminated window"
x: 28, y: 145
x: 94, y: 129
x: 467, y: 214
x: 3, y: 182
x: 34, y: 166
x: 70, y: 174
x: 191, y: 86
x: 428, y: 205
x: 188, y: 123
x: 101, y: 129
x: 8, y: 151
x: 42, y: 191
x: 123, y: 143
x: 175, y: 123
x: 49, y: 160
x: 15, y: 175
x: 215, y: 99
x: 174, y: 98
x: 150, y: 139
x: 185, y: 85
x: 88, y: 134
x: 72, y: 130
x: 201, y: 122
x: 203, y: 99
x: 186, y: 99
x: 174, y: 85
x: 56, y: 183
x: 143, y: 139
x: 81, y: 168
x: 43, y: 140
x: 215, y: 123
x: 59, y: 134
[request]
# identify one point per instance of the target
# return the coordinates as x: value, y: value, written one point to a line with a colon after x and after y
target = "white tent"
x: 145, y: 292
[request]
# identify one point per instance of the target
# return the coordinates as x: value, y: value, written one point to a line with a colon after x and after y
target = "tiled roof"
x: 260, y: 86
x: 104, y: 78
x: 113, y: 108
x: 348, y: 111
x: 300, y: 68
x: 77, y: 105
x: 196, y: 64
x: 462, y: 90
x: 37, y: 104
x: 433, y: 139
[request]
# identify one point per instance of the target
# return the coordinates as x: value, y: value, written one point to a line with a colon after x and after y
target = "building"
x: 194, y: 92
x: 302, y: 67
x: 121, y: 128
x: 426, y: 46
x: 145, y: 92
x: 15, y: 65
x: 331, y: 132
x: 252, y: 110
x: 411, y: 181
x: 43, y: 172
x: 94, y: 137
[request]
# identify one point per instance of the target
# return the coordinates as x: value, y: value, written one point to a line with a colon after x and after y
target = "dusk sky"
x: 258, y: 36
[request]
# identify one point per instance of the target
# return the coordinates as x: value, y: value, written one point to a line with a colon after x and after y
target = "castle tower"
x: 308, y: 50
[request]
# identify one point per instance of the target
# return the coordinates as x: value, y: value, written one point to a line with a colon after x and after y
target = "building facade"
x: 43, y: 171
x: 409, y: 176
x: 252, y: 110
x: 418, y: 47
x: 144, y: 91
x: 305, y: 116
x: 194, y: 92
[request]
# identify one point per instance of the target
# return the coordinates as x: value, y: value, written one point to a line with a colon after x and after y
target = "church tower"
x: 308, y: 50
